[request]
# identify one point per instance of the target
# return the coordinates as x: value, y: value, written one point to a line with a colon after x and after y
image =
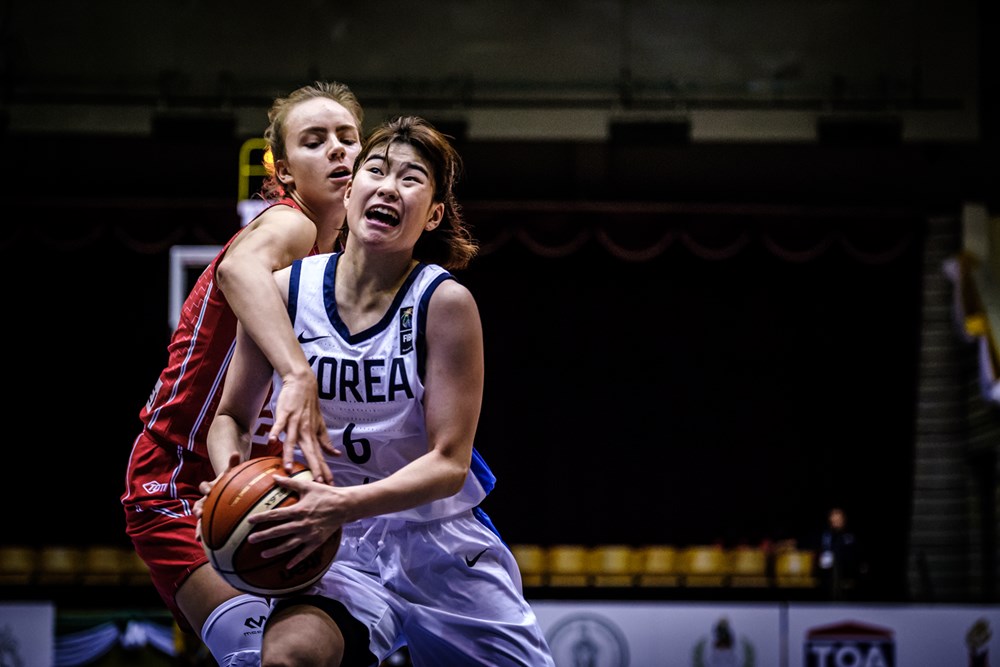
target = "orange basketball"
x: 248, y: 489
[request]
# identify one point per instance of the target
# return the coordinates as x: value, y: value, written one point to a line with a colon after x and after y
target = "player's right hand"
x: 298, y: 416
x: 206, y: 487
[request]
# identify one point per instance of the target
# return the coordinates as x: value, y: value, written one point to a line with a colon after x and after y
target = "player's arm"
x: 247, y: 382
x: 272, y: 242
x: 453, y: 394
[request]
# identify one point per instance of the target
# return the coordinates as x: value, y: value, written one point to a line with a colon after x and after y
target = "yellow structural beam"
x: 981, y: 241
x: 251, y: 164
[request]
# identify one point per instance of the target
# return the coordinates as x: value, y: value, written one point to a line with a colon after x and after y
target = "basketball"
x: 242, y: 491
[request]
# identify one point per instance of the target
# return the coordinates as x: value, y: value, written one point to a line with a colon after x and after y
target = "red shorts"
x: 161, y: 490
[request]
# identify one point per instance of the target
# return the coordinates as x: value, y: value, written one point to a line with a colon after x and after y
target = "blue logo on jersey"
x: 406, y: 330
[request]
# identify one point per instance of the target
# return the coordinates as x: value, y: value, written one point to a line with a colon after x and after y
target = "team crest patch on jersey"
x: 406, y: 329
x: 154, y: 487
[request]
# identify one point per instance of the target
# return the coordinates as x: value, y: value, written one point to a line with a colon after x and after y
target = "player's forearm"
x: 225, y: 437
x: 423, y: 480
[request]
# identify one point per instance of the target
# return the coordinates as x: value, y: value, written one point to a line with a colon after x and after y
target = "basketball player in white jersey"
x: 397, y: 347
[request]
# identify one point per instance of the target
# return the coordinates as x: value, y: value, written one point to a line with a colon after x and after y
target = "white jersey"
x: 371, y: 383
x: 470, y: 610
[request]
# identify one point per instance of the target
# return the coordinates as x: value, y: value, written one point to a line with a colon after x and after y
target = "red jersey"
x: 187, y: 393
x: 169, y: 457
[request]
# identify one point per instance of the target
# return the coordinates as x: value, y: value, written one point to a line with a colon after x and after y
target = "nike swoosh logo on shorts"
x: 475, y: 559
x: 303, y: 340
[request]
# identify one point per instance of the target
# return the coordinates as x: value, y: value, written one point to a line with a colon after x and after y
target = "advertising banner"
x: 893, y: 636
x: 653, y: 634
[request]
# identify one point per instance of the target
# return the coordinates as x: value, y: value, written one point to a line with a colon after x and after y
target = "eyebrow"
x: 381, y: 157
x: 322, y: 128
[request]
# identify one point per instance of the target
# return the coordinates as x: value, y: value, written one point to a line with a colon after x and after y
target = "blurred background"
x: 712, y: 278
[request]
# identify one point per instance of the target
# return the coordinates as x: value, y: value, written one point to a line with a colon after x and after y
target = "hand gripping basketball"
x: 246, y: 489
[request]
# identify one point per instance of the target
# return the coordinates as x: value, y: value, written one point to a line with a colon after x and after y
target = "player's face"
x: 322, y: 141
x: 391, y: 200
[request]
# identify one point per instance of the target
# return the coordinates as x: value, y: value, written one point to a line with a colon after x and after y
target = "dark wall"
x: 701, y: 396
x: 758, y: 367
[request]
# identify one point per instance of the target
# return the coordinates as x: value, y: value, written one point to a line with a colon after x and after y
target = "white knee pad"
x: 233, y: 632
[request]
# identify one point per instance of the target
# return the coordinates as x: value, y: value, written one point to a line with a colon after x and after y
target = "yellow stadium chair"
x: 18, y: 565
x: 531, y: 562
x: 568, y: 565
x: 704, y: 566
x: 657, y: 565
x: 748, y: 567
x: 794, y: 569
x: 60, y: 565
x: 612, y: 565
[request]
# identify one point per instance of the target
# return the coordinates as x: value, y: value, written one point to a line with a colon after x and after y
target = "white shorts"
x: 449, y: 590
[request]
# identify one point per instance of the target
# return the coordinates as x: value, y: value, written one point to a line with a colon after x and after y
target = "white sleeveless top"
x: 371, y: 384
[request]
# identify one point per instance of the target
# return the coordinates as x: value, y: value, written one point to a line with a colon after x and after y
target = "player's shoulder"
x: 450, y: 293
x: 283, y: 213
x: 280, y: 228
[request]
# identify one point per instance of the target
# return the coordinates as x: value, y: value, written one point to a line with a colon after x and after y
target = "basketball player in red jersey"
x: 314, y: 135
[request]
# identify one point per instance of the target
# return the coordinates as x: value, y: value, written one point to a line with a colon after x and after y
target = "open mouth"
x: 340, y: 172
x: 382, y: 214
